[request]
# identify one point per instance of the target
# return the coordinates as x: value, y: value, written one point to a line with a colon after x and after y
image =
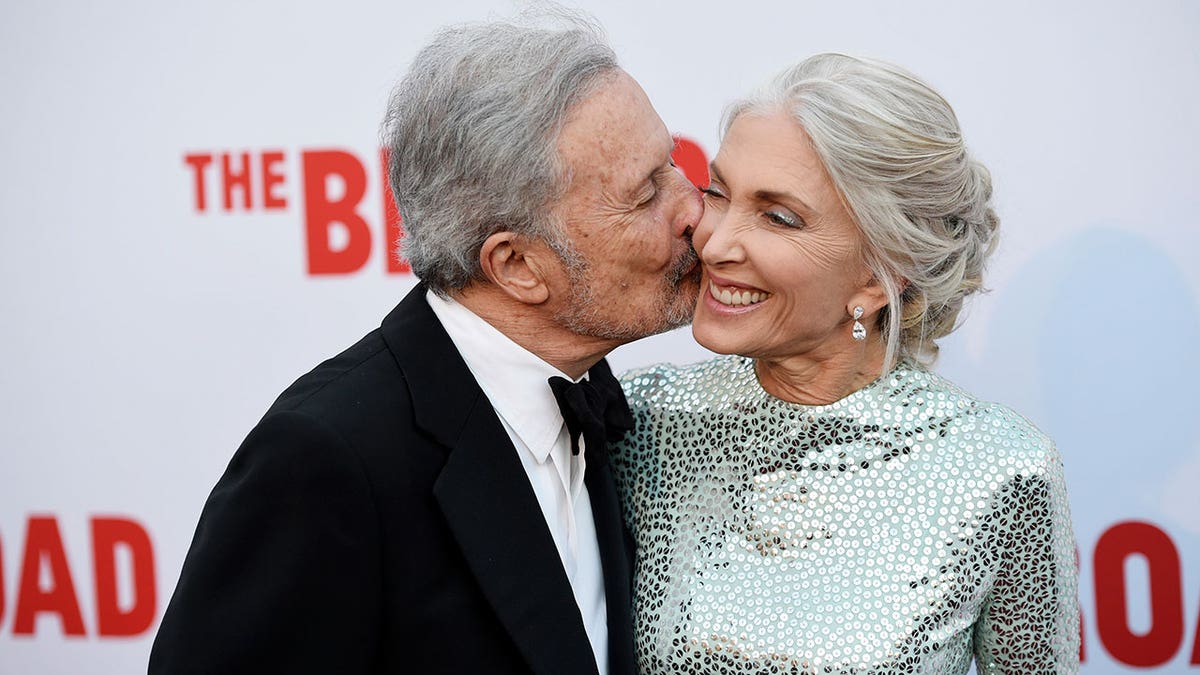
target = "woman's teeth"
x: 736, y: 297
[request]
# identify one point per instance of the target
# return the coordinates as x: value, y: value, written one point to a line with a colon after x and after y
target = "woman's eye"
x: 711, y: 191
x: 783, y: 218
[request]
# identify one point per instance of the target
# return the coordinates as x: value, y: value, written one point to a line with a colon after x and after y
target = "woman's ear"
x: 872, y: 297
x: 516, y: 265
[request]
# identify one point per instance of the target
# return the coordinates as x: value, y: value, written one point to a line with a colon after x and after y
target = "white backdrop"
x: 143, y: 336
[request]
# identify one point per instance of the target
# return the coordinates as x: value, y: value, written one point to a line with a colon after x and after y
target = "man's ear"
x: 516, y: 265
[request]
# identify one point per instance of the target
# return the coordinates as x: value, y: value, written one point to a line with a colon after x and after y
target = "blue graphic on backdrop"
x: 1096, y: 341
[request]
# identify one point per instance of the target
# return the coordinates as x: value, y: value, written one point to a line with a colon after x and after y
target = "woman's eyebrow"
x: 763, y: 195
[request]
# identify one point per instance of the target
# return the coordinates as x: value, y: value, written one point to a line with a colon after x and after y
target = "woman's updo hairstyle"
x: 892, y: 146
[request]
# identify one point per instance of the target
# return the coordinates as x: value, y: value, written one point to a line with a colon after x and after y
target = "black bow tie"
x: 595, y: 408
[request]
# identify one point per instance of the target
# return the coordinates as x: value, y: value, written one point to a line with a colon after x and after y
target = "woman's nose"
x: 716, y: 239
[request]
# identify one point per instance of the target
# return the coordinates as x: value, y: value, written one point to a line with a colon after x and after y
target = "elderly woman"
x: 818, y: 501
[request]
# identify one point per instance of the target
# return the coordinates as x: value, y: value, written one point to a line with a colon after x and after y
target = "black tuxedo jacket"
x: 378, y: 520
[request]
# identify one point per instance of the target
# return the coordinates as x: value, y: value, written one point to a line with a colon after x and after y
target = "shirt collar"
x: 513, y: 378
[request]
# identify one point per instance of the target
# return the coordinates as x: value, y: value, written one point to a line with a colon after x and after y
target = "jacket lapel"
x: 510, y: 549
x: 486, y: 497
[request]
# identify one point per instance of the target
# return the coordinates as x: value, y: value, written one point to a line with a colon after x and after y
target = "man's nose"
x: 690, y: 209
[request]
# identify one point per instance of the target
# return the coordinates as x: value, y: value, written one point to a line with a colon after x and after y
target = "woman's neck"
x: 817, y: 378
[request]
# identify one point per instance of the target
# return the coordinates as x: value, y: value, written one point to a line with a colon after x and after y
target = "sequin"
x: 907, y: 528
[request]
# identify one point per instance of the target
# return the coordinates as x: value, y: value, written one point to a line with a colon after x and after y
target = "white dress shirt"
x: 515, y: 381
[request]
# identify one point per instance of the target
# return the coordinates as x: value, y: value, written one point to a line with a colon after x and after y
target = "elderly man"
x: 435, y: 499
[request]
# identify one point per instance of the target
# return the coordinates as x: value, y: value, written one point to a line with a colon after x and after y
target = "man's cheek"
x: 652, y: 254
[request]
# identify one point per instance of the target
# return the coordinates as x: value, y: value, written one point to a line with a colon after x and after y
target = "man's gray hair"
x: 472, y: 131
x: 893, y: 148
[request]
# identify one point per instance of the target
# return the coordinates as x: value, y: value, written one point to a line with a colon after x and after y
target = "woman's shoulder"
x: 996, y: 430
x: 670, y: 385
x: 1017, y: 441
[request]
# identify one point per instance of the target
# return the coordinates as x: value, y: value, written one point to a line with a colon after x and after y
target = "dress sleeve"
x: 1030, y: 621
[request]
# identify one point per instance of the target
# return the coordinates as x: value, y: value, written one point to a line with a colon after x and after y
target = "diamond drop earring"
x: 858, y: 331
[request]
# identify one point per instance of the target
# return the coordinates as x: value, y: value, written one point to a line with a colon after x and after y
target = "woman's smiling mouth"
x: 735, y: 296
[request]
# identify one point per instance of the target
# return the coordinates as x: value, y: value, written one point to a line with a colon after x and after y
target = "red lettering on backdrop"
x: 321, y: 212
x: 690, y: 158
x: 107, y: 535
x: 42, y: 540
x: 271, y: 178
x: 198, y: 162
x: 392, y: 227
x: 231, y: 179
x: 1163, y: 640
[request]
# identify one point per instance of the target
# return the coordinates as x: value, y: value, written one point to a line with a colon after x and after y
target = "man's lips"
x: 685, y: 266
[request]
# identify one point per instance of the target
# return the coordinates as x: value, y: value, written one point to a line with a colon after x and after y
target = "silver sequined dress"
x: 906, y: 528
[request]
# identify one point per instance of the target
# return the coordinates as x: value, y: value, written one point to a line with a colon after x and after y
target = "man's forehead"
x: 617, y: 111
x: 616, y: 130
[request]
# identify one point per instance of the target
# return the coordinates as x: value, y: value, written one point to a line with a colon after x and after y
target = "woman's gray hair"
x: 472, y: 133
x: 893, y: 148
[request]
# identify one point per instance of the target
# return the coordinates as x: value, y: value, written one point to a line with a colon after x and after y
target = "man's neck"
x: 534, y: 328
